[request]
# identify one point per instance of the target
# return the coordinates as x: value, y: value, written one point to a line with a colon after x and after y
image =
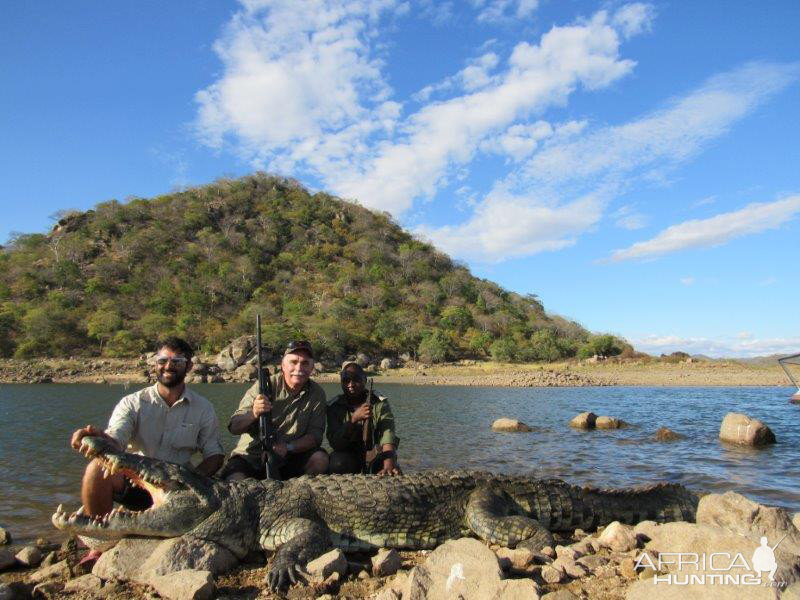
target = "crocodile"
x: 302, y: 518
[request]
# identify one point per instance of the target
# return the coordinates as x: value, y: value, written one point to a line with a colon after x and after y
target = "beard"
x: 171, y: 379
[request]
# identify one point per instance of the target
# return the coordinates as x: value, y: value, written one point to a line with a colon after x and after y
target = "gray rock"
x: 548, y: 551
x: 560, y: 595
x: 6, y: 592
x: 86, y: 585
x: 324, y: 566
x: 618, y: 537
x: 5, y: 537
x: 124, y: 561
x: 464, y: 567
x: 585, y: 420
x: 362, y: 359
x: 517, y: 589
x: 605, y: 422
x: 796, y: 520
x: 592, y: 562
x: 180, y: 554
x: 568, y: 552
x: 29, y: 556
x: 245, y: 373
x: 517, y: 559
x: 47, y: 589
x: 570, y: 567
x: 627, y: 569
x: 59, y: 570
x: 505, y: 425
x: 50, y: 559
x: 552, y: 575
x: 185, y: 585
x: 7, y: 560
x: 386, y: 562
x: 740, y: 429
x: 388, y: 363
x: 667, y: 435
x: 737, y: 514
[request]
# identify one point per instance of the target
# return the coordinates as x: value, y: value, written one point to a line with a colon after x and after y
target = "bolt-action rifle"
x: 266, y: 431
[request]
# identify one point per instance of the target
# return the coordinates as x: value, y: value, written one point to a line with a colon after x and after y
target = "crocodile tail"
x: 662, y: 502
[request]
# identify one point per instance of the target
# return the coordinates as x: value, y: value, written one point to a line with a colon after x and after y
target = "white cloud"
x: 635, y: 18
x: 529, y: 226
x: 302, y: 91
x: 703, y: 233
x: 687, y: 280
x: 768, y: 281
x: 666, y: 136
x: 736, y: 346
x: 500, y: 10
x: 626, y: 217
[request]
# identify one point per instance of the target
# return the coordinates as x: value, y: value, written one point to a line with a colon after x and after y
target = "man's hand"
x: 261, y: 405
x: 89, y: 430
x: 389, y: 468
x: 281, y: 449
x: 362, y: 413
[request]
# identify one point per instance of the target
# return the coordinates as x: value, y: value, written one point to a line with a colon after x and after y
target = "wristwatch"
x: 290, y: 447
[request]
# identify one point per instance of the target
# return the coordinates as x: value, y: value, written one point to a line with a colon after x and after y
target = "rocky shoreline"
x: 615, y: 562
x: 213, y: 369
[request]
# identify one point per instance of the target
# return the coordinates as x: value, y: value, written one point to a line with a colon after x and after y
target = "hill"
x: 202, y: 262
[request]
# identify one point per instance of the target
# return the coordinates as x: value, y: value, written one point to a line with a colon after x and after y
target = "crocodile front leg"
x: 304, y: 540
x: 488, y: 517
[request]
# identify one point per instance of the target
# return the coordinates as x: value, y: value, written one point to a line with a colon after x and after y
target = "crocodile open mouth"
x: 120, y: 520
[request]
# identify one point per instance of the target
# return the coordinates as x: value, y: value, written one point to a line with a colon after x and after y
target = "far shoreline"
x: 615, y: 372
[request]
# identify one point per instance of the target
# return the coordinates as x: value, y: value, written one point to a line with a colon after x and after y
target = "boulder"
x: 552, y: 575
x: 85, y: 585
x: 568, y: 552
x: 585, y: 420
x: 124, y: 561
x: 682, y: 537
x: 506, y: 425
x: 517, y: 559
x: 324, y: 566
x: 29, y: 556
x: 386, y: 562
x: 245, y: 373
x: 388, y: 363
x: 740, y: 429
x: 5, y: 537
x: 7, y: 560
x: 605, y: 422
x: 618, y: 537
x: 463, y: 567
x: 59, y: 570
x: 796, y: 520
x: 667, y: 435
x: 185, y: 585
x: 518, y: 589
x: 737, y: 514
x: 179, y: 554
x: 362, y: 359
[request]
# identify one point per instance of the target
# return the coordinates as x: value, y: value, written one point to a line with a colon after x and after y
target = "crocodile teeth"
x: 60, y: 509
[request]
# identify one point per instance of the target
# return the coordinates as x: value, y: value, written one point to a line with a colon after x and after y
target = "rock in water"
x: 605, y: 422
x: 667, y: 435
x: 505, y: 425
x: 5, y: 537
x: 585, y: 420
x: 740, y: 429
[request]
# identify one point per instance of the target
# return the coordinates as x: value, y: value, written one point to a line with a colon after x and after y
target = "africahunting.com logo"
x: 716, y: 568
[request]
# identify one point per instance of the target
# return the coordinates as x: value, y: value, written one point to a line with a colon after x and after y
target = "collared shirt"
x: 345, y: 436
x: 144, y: 423
x: 294, y: 414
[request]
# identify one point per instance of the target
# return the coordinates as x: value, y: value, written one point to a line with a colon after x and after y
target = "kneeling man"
x: 167, y: 421
x: 298, y: 416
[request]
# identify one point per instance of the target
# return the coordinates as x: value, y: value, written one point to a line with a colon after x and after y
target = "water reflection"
x: 448, y: 427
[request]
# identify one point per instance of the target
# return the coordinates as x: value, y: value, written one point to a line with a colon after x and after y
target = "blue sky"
x: 633, y: 164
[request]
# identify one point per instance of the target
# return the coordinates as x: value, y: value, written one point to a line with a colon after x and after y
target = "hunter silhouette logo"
x: 764, y: 557
x: 456, y: 573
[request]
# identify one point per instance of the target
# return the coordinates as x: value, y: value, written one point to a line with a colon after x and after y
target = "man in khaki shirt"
x: 165, y: 421
x: 298, y: 416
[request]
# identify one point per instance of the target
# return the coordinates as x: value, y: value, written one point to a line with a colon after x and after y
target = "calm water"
x: 448, y: 427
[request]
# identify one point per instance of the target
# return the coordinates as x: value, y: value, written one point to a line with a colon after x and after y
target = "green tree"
x: 435, y: 347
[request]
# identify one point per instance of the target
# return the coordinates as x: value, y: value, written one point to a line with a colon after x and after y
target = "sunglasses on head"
x: 176, y: 360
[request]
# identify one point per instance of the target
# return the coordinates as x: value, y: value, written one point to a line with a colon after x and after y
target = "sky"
x: 633, y: 164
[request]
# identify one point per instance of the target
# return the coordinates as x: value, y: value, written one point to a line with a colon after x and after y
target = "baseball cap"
x: 299, y: 346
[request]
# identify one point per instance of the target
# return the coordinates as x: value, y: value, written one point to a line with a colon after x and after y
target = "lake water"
x: 448, y: 427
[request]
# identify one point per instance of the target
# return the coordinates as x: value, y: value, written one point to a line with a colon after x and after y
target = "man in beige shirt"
x: 298, y: 416
x: 165, y: 421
